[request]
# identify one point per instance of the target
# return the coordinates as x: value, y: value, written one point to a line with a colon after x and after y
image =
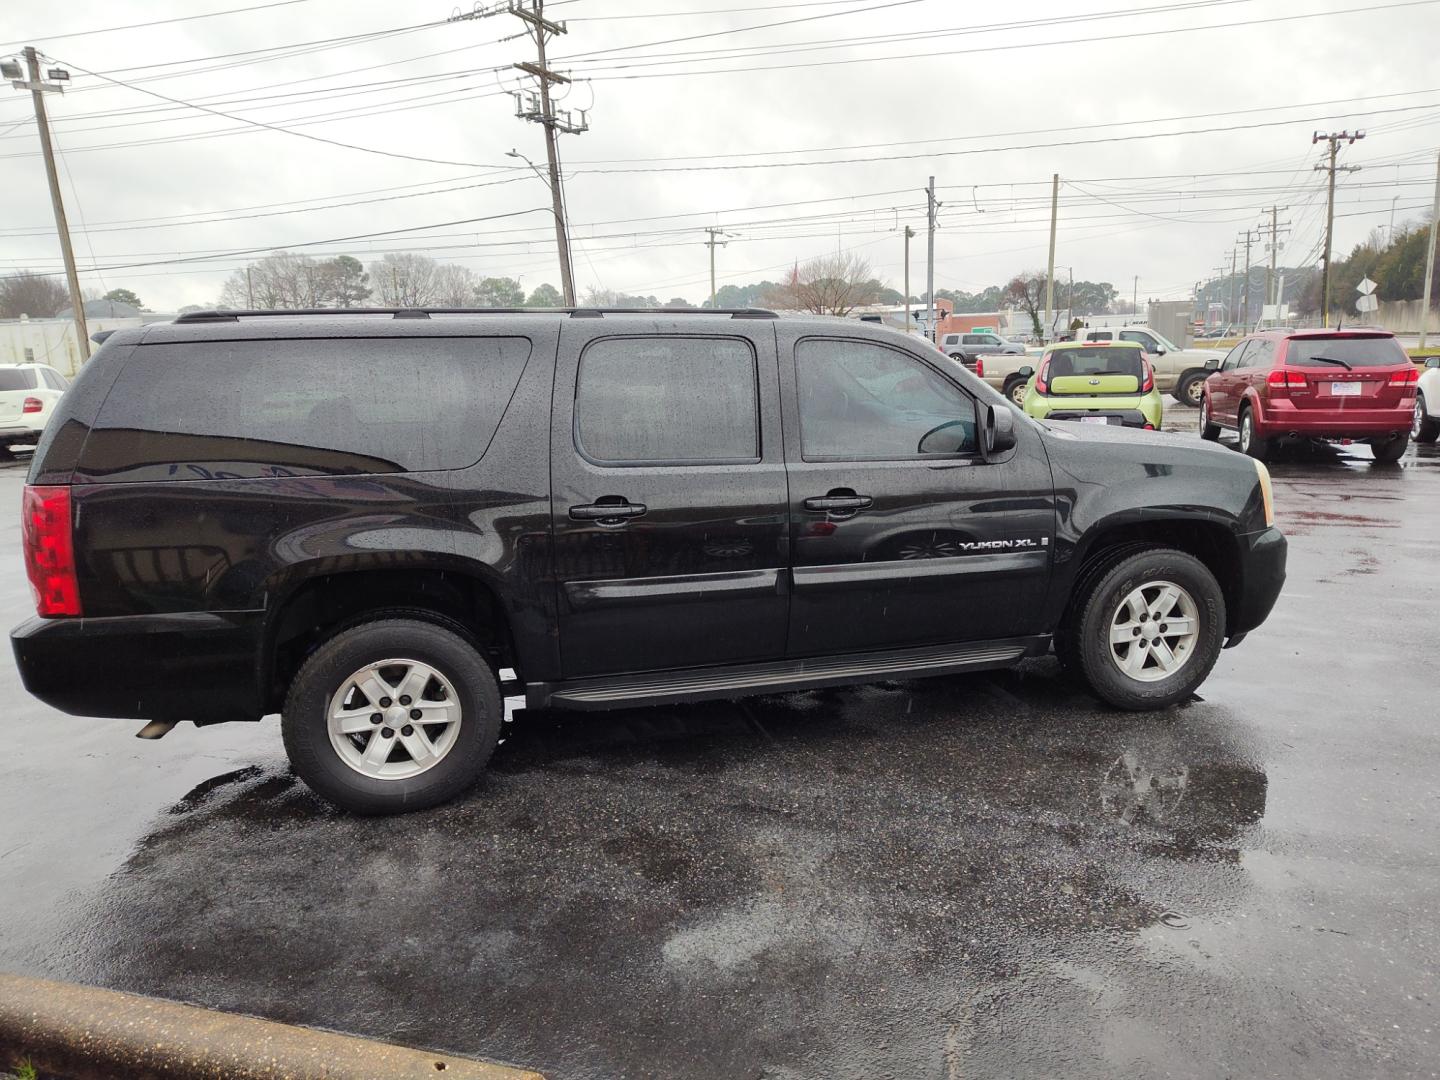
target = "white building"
x: 54, y: 341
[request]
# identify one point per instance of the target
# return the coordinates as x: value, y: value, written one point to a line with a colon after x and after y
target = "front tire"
x: 391, y: 716
x: 1208, y: 431
x: 1191, y: 389
x: 1425, y: 428
x: 1149, y: 629
x: 1389, y: 451
x: 1251, y: 443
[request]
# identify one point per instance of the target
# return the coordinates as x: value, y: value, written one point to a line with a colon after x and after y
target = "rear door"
x: 902, y: 533
x: 668, y: 495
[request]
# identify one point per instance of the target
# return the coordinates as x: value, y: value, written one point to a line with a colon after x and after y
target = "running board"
x: 783, y: 676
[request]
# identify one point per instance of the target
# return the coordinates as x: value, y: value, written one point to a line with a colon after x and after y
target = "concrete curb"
x: 85, y: 1033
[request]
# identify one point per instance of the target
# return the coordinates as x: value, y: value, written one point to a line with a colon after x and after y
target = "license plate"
x: 1094, y: 420
x: 1344, y: 389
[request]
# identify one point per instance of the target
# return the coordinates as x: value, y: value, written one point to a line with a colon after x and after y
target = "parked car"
x: 28, y: 395
x: 1425, y: 428
x: 359, y: 519
x: 1096, y: 382
x: 1316, y: 384
x: 967, y: 348
x: 1178, y: 372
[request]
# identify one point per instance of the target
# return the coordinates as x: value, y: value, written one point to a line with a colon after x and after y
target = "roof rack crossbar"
x: 225, y: 315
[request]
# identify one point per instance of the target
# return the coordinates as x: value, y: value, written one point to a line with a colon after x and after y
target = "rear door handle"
x: 607, y: 513
x: 832, y: 503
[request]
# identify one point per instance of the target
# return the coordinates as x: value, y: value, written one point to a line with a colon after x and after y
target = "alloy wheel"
x: 1195, y: 391
x: 1154, y: 631
x: 394, y: 719
x: 1417, y: 424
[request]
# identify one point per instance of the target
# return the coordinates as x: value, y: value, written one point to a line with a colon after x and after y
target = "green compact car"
x: 1095, y: 382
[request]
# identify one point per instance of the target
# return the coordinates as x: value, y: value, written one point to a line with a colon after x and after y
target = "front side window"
x: 667, y: 399
x: 1232, y: 358
x: 863, y: 401
x: 1144, y: 340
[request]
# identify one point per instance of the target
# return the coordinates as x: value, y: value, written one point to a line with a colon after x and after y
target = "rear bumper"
x: 185, y: 666
x: 1262, y: 575
x: 1282, y: 418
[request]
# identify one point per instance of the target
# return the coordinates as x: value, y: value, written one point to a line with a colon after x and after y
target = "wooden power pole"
x: 712, y: 243
x: 1430, y: 258
x: 909, y: 235
x: 1334, y: 140
x: 38, y: 89
x: 1050, y: 266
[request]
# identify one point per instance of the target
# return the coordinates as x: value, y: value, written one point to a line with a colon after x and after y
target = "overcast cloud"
x: 954, y: 88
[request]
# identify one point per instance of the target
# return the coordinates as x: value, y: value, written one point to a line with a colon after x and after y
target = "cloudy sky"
x: 360, y: 127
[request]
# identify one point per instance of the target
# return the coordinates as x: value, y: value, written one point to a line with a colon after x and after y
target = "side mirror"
x: 1026, y: 371
x: 1433, y: 362
x: 1159, y: 352
x: 1213, y: 364
x: 999, y: 430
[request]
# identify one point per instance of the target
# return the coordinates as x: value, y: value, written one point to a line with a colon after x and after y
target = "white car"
x: 1426, y: 427
x: 28, y: 393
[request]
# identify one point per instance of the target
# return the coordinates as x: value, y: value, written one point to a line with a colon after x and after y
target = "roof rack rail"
x: 228, y: 316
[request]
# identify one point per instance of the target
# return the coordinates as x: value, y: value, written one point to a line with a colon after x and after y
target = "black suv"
x: 359, y: 519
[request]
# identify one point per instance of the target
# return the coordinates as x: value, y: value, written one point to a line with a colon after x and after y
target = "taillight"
x: 1041, y: 381
x: 32, y: 404
x: 49, y: 550
x: 980, y: 366
x: 1405, y: 378
x: 1286, y: 378
x: 1148, y: 382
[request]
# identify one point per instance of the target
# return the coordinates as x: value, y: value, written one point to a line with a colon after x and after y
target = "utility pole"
x: 249, y: 291
x: 1050, y: 266
x: 1135, y: 297
x: 712, y: 243
x: 1233, y: 309
x: 537, y: 108
x: 1219, y: 289
x: 38, y: 90
x: 909, y: 234
x: 1430, y: 257
x: 1334, y: 140
x: 1275, y: 229
x: 933, y: 206
x: 1245, y: 295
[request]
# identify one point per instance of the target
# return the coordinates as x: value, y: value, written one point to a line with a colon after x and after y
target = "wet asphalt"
x: 991, y: 876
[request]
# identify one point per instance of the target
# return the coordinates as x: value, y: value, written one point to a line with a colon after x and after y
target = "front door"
x: 903, y: 534
x: 668, y: 497
x: 1223, y: 388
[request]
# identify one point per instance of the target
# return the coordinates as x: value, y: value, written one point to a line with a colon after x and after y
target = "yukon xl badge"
x: 1028, y: 543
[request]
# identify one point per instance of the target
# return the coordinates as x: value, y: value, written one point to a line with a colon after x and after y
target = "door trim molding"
x: 671, y: 589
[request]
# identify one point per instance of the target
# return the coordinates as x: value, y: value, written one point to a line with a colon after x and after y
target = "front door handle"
x: 607, y: 513
x: 838, y: 503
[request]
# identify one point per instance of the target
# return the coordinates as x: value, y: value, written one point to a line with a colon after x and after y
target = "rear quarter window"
x: 241, y: 409
x: 17, y: 379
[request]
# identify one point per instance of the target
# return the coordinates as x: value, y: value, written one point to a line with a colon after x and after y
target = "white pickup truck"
x: 1179, y: 372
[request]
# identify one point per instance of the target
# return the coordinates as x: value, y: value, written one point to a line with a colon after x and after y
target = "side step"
x: 781, y: 676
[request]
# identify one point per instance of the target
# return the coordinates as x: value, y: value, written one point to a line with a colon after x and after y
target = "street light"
x: 567, y: 274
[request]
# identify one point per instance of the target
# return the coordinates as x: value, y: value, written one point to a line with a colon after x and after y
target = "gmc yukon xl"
x: 359, y: 520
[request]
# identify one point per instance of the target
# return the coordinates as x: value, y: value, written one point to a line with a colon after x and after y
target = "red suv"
x: 1315, y: 384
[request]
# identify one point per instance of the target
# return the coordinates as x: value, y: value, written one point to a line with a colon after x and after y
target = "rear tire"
x: 1426, y: 428
x: 1389, y: 451
x: 1250, y: 442
x: 1191, y: 389
x: 1148, y: 630
x: 1208, y: 431
x: 453, y: 685
x: 1015, y: 391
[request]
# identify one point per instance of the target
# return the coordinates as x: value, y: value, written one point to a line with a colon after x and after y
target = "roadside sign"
x: 1367, y: 303
x: 1366, y: 287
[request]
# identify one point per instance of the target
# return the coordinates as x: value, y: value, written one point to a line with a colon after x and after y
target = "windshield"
x: 1354, y: 351
x: 1098, y: 360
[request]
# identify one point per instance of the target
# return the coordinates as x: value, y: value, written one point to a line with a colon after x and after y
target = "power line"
x: 153, y: 22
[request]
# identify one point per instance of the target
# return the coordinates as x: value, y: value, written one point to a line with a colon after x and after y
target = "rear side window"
x: 1354, y: 351
x: 17, y: 378
x: 234, y: 409
x: 667, y: 399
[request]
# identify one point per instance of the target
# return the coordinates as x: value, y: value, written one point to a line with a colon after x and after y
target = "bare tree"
x: 828, y: 285
x: 28, y: 293
x: 404, y: 279
x: 454, y: 286
x: 1027, y: 292
x: 281, y: 281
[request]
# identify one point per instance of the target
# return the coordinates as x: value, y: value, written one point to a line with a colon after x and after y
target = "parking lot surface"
x: 990, y: 876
